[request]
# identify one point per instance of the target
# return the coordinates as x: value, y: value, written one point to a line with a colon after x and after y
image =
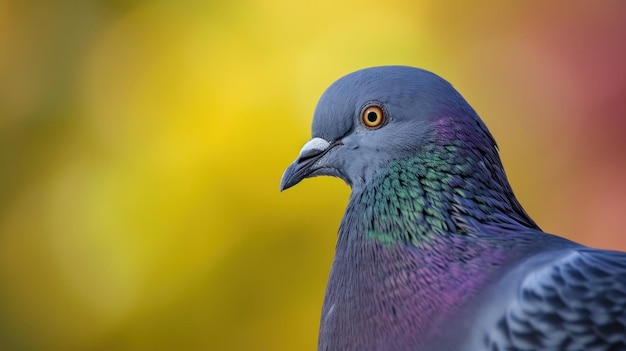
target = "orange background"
x: 142, y: 144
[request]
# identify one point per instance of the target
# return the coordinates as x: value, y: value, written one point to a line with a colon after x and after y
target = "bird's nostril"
x: 309, y: 154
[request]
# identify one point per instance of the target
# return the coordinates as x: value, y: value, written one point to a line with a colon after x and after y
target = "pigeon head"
x: 371, y: 117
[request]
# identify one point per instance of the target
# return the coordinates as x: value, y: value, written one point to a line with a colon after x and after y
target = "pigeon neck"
x: 443, y: 190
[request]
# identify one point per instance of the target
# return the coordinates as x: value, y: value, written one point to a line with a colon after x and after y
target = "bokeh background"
x: 142, y: 144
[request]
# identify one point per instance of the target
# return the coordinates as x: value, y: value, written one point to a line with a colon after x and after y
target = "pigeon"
x: 434, y: 252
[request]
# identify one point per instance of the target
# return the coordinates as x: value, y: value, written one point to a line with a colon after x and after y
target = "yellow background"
x: 142, y: 144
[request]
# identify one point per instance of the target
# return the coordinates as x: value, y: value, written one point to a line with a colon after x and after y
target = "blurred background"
x: 142, y: 144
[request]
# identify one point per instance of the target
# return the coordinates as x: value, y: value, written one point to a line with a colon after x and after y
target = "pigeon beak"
x: 305, y: 164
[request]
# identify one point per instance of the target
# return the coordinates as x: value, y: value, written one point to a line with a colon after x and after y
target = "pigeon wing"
x: 576, y: 302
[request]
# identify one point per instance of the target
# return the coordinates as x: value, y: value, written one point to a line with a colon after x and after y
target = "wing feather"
x: 577, y: 302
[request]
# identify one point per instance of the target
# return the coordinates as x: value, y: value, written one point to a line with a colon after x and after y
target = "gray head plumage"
x: 413, y: 102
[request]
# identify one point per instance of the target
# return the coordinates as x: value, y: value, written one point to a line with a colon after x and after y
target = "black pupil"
x: 372, y: 116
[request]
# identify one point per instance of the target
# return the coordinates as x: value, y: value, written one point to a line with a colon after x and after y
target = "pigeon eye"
x: 373, y: 117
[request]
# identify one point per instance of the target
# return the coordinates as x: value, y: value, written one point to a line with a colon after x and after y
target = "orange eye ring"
x: 373, y: 117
